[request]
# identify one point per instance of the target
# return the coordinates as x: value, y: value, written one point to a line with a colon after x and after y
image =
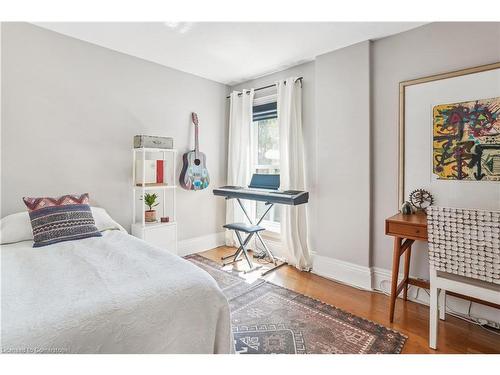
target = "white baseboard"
x: 198, y: 244
x: 381, y: 279
x: 345, y: 272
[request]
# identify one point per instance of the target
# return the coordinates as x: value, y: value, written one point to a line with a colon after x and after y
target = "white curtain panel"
x: 239, y: 156
x: 294, y: 230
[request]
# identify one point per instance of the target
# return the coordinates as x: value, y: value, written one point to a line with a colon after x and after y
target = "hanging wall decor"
x: 466, y: 140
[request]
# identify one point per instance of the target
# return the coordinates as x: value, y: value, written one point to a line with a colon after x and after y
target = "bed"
x: 109, y: 294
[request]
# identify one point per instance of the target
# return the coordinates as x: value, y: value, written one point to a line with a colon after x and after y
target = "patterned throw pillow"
x: 60, y: 219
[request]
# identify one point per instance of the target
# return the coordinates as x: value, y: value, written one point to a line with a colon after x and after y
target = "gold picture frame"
x: 402, y: 88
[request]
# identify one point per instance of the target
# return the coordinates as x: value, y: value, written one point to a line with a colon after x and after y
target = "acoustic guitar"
x: 194, y: 174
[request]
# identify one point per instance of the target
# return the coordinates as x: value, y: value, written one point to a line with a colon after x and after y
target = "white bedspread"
x: 114, y: 294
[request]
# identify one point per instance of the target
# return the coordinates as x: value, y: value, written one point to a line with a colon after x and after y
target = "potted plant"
x: 150, y: 200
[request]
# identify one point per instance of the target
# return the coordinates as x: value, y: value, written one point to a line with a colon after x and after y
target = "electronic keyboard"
x: 289, y: 197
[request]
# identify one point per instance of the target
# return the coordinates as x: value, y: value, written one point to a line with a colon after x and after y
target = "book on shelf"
x: 159, y: 171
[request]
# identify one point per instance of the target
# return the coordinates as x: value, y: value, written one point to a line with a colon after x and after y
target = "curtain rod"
x: 267, y: 87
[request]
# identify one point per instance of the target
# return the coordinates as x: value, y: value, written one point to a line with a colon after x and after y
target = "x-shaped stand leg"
x: 242, y: 249
x: 269, y: 206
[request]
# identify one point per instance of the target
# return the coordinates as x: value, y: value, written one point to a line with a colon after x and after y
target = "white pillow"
x: 17, y: 227
x: 103, y: 221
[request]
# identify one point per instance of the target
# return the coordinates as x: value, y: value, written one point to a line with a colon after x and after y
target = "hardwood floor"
x: 411, y: 319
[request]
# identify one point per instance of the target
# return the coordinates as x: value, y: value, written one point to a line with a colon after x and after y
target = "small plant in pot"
x: 150, y: 200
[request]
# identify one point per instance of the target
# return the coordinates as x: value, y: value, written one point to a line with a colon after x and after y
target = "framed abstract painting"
x: 466, y: 140
x: 449, y: 137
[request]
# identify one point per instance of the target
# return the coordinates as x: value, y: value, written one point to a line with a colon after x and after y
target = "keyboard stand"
x: 238, y: 252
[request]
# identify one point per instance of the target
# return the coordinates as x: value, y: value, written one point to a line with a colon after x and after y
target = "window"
x: 266, y: 155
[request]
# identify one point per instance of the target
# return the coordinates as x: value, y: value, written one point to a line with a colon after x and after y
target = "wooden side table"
x: 406, y: 229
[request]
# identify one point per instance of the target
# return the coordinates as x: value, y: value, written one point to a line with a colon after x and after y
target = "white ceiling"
x: 225, y: 52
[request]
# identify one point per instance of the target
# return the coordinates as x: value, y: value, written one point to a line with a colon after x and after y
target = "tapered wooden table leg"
x: 395, y: 273
x: 407, y: 272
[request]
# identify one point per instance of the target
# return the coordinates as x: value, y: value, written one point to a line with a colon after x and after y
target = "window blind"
x: 265, y: 111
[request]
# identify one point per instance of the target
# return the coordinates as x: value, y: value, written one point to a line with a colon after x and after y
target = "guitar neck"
x: 196, y: 144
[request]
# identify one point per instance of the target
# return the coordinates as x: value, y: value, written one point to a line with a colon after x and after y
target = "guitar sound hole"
x: 197, y: 161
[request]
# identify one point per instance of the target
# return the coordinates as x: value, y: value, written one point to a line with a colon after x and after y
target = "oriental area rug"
x: 269, y: 319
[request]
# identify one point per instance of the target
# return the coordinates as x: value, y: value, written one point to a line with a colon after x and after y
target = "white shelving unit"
x: 163, y: 235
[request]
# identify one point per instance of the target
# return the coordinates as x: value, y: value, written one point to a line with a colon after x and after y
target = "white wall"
x: 343, y: 162
x: 70, y: 110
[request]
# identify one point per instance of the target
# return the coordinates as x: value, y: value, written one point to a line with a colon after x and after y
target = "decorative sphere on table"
x: 406, y: 208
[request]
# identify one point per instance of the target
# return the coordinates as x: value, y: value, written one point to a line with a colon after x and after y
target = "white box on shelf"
x: 162, y: 235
